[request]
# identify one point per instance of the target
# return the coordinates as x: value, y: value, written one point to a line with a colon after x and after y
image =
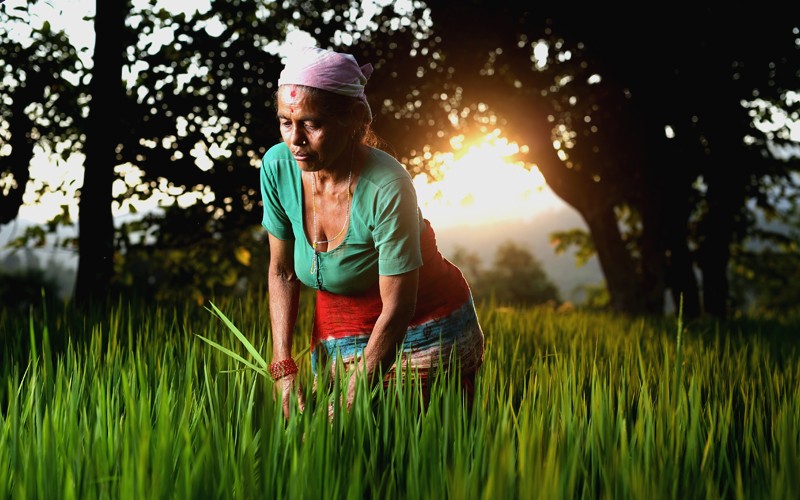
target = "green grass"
x: 133, y: 403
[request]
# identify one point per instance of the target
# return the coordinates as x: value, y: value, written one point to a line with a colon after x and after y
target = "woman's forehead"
x: 291, y: 97
x: 293, y: 93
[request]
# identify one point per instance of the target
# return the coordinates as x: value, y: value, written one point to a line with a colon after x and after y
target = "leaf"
x: 253, y: 351
x: 233, y: 355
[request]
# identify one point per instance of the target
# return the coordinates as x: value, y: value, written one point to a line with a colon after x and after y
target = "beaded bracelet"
x: 282, y: 368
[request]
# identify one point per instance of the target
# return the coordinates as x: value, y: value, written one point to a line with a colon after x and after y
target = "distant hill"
x: 532, y: 234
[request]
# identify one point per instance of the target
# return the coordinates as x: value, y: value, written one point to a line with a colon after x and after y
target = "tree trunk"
x: 95, y: 223
x: 682, y: 279
x: 623, y: 283
x: 653, y: 267
x: 664, y: 204
x: 727, y: 173
x: 725, y: 201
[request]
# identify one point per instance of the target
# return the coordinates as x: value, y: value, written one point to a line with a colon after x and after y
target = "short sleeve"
x: 275, y: 220
x: 397, y: 229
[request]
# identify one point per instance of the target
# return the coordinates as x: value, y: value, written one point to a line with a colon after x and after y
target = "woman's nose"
x: 297, y: 136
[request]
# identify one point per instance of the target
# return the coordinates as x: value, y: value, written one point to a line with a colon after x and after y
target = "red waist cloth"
x: 442, y: 289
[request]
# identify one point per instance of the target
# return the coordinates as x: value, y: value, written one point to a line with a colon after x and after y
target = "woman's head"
x: 334, y: 83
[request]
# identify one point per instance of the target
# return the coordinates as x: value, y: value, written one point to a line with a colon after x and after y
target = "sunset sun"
x: 480, y: 184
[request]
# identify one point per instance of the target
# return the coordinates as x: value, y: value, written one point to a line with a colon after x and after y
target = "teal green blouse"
x: 383, y: 237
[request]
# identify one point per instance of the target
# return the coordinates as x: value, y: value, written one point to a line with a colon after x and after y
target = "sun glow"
x: 482, y: 186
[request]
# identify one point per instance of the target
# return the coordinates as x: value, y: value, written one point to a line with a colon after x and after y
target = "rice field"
x: 133, y: 403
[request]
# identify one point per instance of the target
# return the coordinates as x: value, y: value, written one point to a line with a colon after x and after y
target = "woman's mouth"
x: 301, y: 156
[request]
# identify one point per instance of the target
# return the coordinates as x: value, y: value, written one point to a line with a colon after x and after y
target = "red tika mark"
x: 293, y: 95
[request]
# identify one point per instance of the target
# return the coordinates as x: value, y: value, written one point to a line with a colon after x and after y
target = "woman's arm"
x: 399, y: 297
x: 284, y: 297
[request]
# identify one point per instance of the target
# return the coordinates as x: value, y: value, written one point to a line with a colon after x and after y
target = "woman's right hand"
x: 286, y: 386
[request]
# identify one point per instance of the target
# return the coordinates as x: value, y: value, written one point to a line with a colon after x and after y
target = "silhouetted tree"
x: 104, y: 131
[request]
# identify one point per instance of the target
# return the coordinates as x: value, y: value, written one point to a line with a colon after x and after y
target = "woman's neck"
x: 346, y: 166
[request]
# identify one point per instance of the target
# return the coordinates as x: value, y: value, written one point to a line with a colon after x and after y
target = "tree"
x: 104, y: 132
x: 516, y: 276
x: 714, y: 141
x: 600, y: 120
x: 44, y: 110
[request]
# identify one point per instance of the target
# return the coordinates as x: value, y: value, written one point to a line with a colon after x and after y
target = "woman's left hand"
x: 353, y: 375
x: 346, y: 400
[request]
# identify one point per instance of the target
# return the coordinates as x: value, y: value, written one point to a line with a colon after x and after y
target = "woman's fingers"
x: 287, y: 386
x: 286, y: 383
x: 301, y: 398
x: 351, y: 391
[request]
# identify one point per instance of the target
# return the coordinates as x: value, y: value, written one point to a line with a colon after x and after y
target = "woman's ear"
x: 358, y: 117
x: 358, y: 114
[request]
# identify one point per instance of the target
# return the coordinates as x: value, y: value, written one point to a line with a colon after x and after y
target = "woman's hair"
x: 341, y: 108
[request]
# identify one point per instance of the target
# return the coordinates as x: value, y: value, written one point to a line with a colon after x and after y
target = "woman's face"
x: 316, y: 141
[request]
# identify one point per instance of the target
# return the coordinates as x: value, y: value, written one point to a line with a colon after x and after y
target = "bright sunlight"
x: 482, y: 185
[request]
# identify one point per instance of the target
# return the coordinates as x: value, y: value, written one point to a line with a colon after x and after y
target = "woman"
x: 342, y: 218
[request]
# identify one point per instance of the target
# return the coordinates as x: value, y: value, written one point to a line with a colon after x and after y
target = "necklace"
x: 314, y: 216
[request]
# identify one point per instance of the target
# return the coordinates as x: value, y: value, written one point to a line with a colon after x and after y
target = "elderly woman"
x: 342, y: 218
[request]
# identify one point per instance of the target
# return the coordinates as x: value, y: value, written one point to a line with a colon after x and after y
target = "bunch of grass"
x: 131, y: 403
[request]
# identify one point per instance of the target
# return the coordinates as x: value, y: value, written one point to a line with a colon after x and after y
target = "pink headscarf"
x: 327, y: 70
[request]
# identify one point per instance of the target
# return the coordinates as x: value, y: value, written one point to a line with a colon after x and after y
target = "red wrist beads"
x: 282, y: 368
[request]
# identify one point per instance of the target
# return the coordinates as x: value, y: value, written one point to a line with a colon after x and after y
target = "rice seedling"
x: 172, y: 402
